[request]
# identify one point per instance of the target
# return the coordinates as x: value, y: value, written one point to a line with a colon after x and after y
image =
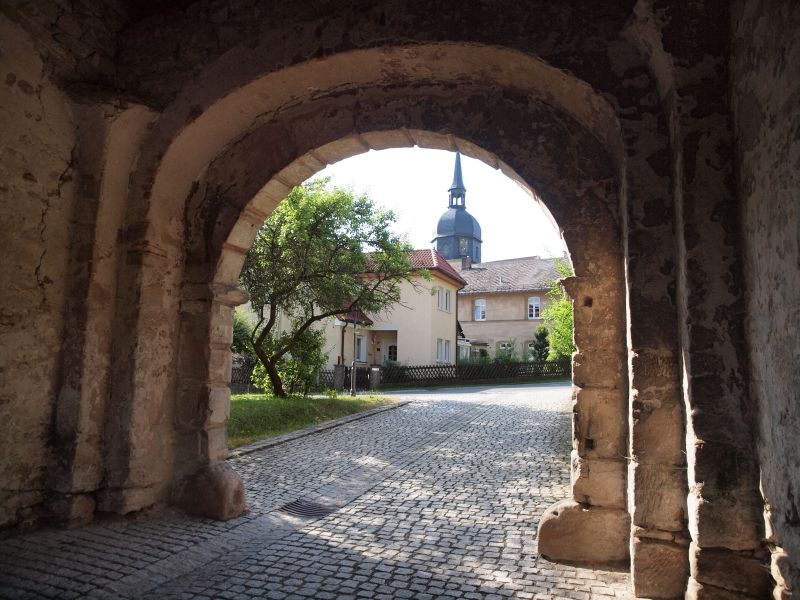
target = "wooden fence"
x: 422, y: 375
x: 416, y: 375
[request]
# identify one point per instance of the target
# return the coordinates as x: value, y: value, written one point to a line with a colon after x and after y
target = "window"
x: 361, y: 349
x: 463, y: 246
x: 392, y: 352
x: 534, y: 307
x: 443, y: 299
x: 442, y: 350
x: 505, y: 346
x: 480, y: 310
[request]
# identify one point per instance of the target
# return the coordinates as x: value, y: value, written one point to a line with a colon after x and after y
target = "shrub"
x: 300, y: 370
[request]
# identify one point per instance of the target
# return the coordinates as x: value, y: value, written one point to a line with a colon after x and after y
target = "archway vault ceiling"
x: 530, y: 141
x: 488, y: 96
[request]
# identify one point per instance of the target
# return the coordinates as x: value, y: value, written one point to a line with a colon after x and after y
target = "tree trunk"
x: 275, y: 379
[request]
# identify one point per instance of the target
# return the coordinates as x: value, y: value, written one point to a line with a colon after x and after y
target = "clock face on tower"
x: 463, y: 246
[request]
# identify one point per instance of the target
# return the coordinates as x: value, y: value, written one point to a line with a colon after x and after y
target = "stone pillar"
x: 594, y: 526
x: 338, y: 377
x: 204, y: 484
x: 375, y: 378
x: 109, y: 142
x: 657, y: 469
x: 725, y: 505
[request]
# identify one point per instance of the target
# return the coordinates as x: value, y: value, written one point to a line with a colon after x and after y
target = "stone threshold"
x: 294, y: 435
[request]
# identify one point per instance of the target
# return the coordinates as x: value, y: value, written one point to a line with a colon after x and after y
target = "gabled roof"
x: 528, y: 274
x: 431, y: 260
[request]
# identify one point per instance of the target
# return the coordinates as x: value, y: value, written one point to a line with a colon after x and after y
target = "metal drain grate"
x: 306, y: 509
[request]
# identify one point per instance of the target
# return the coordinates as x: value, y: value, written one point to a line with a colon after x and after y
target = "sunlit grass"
x: 258, y: 416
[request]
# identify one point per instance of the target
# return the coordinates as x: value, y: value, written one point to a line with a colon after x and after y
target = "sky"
x: 414, y: 182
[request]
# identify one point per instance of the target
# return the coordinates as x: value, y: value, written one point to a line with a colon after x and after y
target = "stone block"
x: 732, y: 521
x: 126, y: 500
x: 599, y: 369
x: 577, y: 533
x: 382, y: 140
x: 781, y: 571
x: 296, y: 172
x: 229, y: 266
x: 215, y: 491
x: 698, y: 591
x: 219, y: 405
x: 660, y: 568
x: 600, y: 423
x: 654, y: 368
x: 730, y: 571
x: 339, y: 150
x: 658, y: 500
x: 191, y: 398
x: 214, y: 443
x: 219, y: 365
x: 72, y: 510
x: 430, y: 139
x: 657, y: 434
x: 599, y: 482
x: 243, y: 234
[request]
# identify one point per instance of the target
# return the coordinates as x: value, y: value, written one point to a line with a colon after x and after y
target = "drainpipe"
x: 455, y: 342
x: 341, y: 352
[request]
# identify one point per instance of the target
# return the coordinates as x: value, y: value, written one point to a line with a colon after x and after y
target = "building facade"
x: 418, y: 330
x: 501, y: 306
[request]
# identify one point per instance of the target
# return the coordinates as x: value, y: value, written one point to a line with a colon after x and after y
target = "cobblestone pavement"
x: 437, y: 499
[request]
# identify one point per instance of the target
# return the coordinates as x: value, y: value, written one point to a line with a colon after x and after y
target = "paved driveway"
x: 436, y: 499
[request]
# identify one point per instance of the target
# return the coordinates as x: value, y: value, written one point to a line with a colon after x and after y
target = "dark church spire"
x: 457, y: 191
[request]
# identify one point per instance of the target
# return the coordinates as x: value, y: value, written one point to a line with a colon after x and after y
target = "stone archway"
x: 187, y: 202
x: 682, y: 99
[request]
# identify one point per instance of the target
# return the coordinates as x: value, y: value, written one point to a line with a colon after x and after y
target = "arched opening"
x: 600, y: 474
x: 117, y: 226
x: 202, y: 190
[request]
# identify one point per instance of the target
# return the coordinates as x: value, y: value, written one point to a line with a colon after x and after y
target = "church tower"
x: 458, y: 233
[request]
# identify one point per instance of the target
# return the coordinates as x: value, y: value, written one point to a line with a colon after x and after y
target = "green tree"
x: 558, y: 316
x: 310, y: 261
x: 541, y: 345
x: 508, y: 354
x: 242, y: 330
x: 300, y: 369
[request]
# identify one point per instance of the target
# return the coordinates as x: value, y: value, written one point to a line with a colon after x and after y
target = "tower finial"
x: 457, y: 190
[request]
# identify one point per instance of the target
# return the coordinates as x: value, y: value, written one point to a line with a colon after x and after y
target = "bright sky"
x: 414, y: 182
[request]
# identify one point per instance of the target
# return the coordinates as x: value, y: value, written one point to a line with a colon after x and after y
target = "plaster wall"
x: 765, y: 67
x: 506, y: 319
x: 37, y: 138
x: 417, y: 321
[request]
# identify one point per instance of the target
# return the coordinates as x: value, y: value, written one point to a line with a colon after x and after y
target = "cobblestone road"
x: 437, y: 499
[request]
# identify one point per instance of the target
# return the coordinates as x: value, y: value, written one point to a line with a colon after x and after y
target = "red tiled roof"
x: 433, y: 261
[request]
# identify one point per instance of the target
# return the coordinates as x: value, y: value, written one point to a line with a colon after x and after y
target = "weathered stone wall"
x: 765, y: 67
x: 617, y: 113
x: 76, y: 40
x: 36, y: 205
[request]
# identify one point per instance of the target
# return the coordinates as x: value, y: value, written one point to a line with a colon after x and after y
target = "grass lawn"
x: 259, y: 416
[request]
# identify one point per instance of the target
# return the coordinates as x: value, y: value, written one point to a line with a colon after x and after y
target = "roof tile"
x: 530, y: 273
